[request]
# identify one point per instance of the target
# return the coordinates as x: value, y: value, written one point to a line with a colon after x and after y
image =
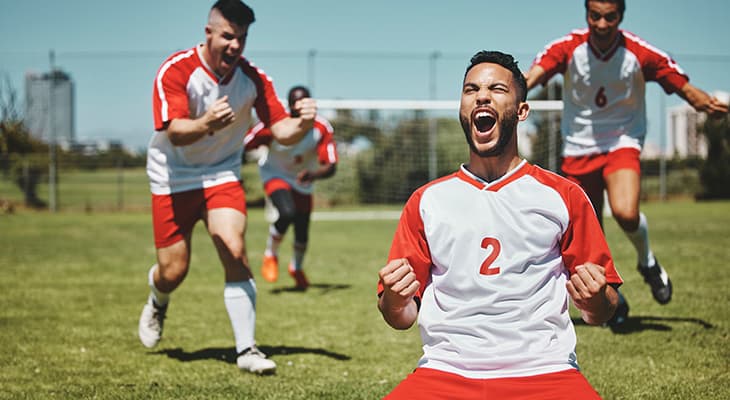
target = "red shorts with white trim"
x: 174, y: 215
x: 302, y: 201
x: 590, y: 171
x: 431, y: 384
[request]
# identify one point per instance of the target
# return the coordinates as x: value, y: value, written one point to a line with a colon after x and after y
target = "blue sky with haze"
x: 362, y: 50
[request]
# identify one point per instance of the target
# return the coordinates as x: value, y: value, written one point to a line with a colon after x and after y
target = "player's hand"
x: 305, y: 177
x: 219, y: 115
x: 716, y: 108
x: 587, y: 286
x: 306, y: 108
x: 399, y: 283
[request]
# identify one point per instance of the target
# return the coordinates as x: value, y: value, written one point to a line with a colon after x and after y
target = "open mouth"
x: 484, y: 120
x: 229, y: 59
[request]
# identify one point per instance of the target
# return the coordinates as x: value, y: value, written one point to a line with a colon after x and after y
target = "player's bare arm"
x: 290, y: 130
x: 324, y: 171
x: 591, y: 294
x: 399, y: 286
x: 183, y: 132
x: 534, y: 76
x: 703, y: 102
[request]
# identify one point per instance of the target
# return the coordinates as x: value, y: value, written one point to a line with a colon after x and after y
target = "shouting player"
x: 487, y: 258
x: 202, y: 104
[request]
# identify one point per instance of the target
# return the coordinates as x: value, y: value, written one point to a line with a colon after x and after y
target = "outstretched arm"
x: 291, y: 130
x: 703, y: 102
x: 595, y: 299
x: 396, y: 303
x: 534, y: 76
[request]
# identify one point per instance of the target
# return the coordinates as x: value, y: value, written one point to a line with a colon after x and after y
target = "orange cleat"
x: 270, y: 268
x: 301, y: 280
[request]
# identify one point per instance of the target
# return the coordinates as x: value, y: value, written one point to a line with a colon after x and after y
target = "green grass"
x: 72, y: 286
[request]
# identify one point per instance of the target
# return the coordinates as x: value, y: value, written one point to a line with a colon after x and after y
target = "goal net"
x: 389, y: 148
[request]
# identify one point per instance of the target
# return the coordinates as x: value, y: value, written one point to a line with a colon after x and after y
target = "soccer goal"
x: 388, y: 148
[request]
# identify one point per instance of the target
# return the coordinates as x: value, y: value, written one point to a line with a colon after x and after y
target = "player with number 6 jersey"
x: 604, y: 124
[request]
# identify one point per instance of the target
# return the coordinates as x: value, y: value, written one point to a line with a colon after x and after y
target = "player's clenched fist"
x: 399, y: 286
x: 305, y: 108
x: 399, y: 281
x: 219, y: 115
x: 587, y: 287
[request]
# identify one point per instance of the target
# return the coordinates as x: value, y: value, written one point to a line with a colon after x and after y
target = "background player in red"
x: 604, y: 120
x: 288, y: 173
x: 487, y: 258
x: 202, y: 105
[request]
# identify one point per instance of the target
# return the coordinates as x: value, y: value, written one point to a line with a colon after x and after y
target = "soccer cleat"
x: 253, y: 360
x: 301, y: 280
x: 270, y: 268
x: 621, y: 315
x: 150, y: 323
x: 658, y: 279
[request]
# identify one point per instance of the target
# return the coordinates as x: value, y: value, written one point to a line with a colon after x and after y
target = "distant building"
x: 683, y: 138
x: 49, y: 106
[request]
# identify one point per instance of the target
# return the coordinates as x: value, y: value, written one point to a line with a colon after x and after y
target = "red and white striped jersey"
x: 493, y: 260
x: 184, y: 88
x: 603, y: 94
x: 287, y: 161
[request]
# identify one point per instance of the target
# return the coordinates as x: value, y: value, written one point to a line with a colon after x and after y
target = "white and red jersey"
x: 184, y: 89
x: 603, y: 94
x: 287, y: 161
x: 492, y: 260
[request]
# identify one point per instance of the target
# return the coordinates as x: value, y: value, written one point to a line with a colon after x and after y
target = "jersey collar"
x: 511, y: 176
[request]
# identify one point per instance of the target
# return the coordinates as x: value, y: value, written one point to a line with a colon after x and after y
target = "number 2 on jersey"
x: 493, y: 246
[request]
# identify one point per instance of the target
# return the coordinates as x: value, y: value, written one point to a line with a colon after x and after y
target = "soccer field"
x: 72, y: 286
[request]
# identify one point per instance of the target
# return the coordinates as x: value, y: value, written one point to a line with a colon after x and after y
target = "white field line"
x: 354, y: 215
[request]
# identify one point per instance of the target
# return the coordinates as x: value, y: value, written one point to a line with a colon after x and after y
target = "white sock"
x: 298, y: 259
x: 240, y: 299
x: 273, y: 242
x: 640, y: 240
x: 159, y: 297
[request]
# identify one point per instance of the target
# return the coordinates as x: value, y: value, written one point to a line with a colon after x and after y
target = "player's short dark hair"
x: 235, y: 11
x: 505, y: 60
x: 620, y: 4
x: 291, y: 97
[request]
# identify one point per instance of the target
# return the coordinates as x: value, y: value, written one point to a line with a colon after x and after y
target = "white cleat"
x: 150, y: 323
x: 253, y: 360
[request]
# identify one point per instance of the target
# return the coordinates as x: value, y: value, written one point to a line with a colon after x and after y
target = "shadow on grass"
x: 228, y: 354
x: 321, y: 288
x: 635, y: 324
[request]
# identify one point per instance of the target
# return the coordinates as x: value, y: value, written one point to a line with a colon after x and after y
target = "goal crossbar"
x: 354, y: 104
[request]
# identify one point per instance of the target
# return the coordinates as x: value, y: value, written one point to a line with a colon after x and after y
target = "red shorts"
x: 302, y: 202
x: 431, y: 384
x: 174, y: 215
x: 590, y: 172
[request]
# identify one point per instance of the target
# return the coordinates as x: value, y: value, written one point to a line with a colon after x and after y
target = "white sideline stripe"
x: 354, y: 215
x: 342, y: 104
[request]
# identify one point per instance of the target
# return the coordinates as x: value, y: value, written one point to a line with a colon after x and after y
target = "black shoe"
x: 658, y: 279
x: 621, y: 315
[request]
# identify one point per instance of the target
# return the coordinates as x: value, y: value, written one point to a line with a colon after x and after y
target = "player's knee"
x: 173, y: 273
x: 627, y: 219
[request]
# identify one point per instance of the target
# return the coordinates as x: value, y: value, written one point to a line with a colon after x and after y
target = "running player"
x: 487, y: 258
x: 202, y: 102
x: 288, y: 173
x: 604, y: 121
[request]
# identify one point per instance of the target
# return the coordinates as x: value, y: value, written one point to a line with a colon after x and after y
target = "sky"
x: 376, y: 49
